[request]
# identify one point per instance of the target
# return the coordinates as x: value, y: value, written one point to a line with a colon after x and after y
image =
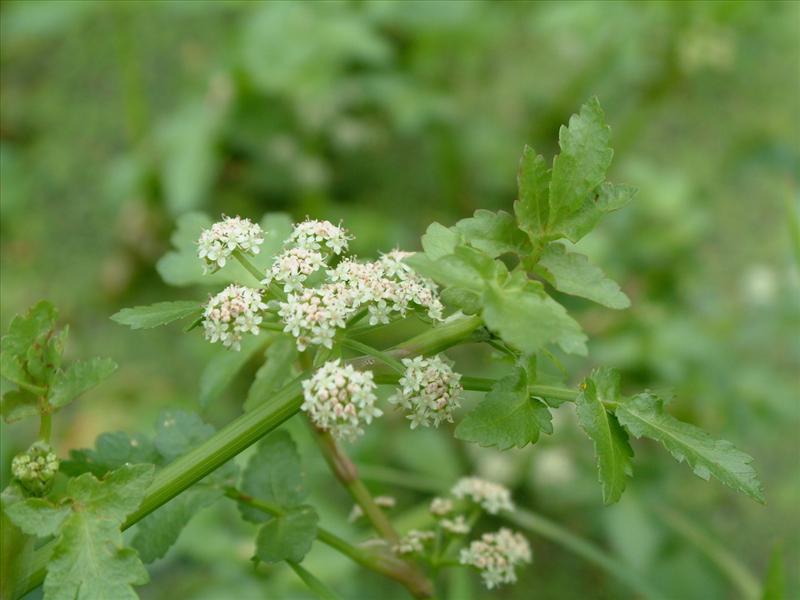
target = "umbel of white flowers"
x: 496, y: 555
x: 216, y: 244
x: 429, y: 389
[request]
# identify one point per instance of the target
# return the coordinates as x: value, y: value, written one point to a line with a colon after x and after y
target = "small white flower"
x: 383, y: 501
x: 492, y: 497
x: 319, y: 236
x: 496, y: 555
x: 236, y: 310
x: 413, y: 542
x: 340, y: 399
x: 441, y: 506
x: 458, y: 525
x: 292, y: 268
x: 429, y: 389
x: 217, y: 244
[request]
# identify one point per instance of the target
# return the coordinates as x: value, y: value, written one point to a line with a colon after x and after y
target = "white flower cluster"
x: 36, y: 468
x: 492, y: 497
x: 441, y: 506
x: 496, y: 555
x: 457, y: 525
x: 383, y: 501
x: 313, y: 235
x: 413, y: 542
x: 430, y: 390
x: 232, y: 233
x: 339, y: 399
x: 385, y: 287
x: 293, y: 266
x: 234, y: 311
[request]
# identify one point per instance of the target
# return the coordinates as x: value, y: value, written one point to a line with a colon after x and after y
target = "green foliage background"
x: 117, y: 118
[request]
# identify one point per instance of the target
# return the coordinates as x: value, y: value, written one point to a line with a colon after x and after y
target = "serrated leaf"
x: 224, y: 366
x: 89, y: 560
x: 181, y: 266
x: 18, y: 405
x: 605, y: 199
x: 43, y: 357
x: 466, y: 268
x: 528, y: 320
x: 112, y: 450
x: 507, y: 416
x: 78, y: 378
x: 611, y: 445
x: 532, y: 207
x: 581, y: 166
x: 158, y: 531
x: 288, y: 536
x: 643, y: 416
x: 572, y: 274
x: 276, y: 370
x: 37, y: 516
x: 25, y: 329
x: 178, y: 431
x: 439, y: 241
x: 160, y: 313
x: 273, y: 474
x: 493, y: 233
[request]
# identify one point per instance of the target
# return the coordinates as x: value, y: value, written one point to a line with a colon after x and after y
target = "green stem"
x: 315, y: 585
x: 370, y: 351
x: 251, y: 268
x: 45, y: 426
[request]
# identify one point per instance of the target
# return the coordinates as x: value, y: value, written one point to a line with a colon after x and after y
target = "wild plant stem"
x: 251, y: 268
x: 322, y: 591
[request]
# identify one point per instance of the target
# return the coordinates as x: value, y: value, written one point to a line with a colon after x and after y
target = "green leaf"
x: 468, y: 301
x: 644, y: 416
x: 532, y: 207
x: 181, y: 266
x: 605, y: 199
x: 276, y: 370
x: 528, y: 319
x: 30, y: 352
x: 158, y: 531
x: 37, y: 516
x: 610, y: 441
x: 223, y: 367
x: 18, y: 405
x: 89, y: 560
x: 24, y: 330
x: 582, y: 164
x: 319, y: 589
x: 273, y: 474
x: 466, y: 268
x: 572, y: 274
x: 81, y: 376
x: 178, y: 431
x: 43, y: 358
x: 439, y: 241
x: 160, y: 313
x: 112, y: 451
x: 287, y: 537
x: 493, y: 233
x: 507, y: 416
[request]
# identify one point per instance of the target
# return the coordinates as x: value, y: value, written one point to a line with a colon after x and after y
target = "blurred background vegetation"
x: 119, y: 117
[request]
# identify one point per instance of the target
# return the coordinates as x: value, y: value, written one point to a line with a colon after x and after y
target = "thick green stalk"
x: 251, y: 268
x: 320, y: 590
x: 241, y: 433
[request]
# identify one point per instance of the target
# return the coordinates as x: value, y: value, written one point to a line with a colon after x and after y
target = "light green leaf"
x: 507, y: 416
x: 273, y: 474
x: 439, y: 241
x: 37, y: 516
x: 89, y: 560
x: 605, y: 199
x: 160, y: 313
x: 493, y: 233
x: 582, y: 164
x: 158, y: 531
x: 529, y: 319
x: 644, y: 416
x: 532, y: 207
x: 276, y: 370
x: 178, y: 431
x: 287, y: 537
x: 182, y: 267
x: 24, y: 330
x: 610, y: 441
x: 468, y: 301
x: 43, y: 358
x: 224, y: 366
x: 29, y: 353
x: 572, y: 273
x: 18, y: 405
x: 81, y: 376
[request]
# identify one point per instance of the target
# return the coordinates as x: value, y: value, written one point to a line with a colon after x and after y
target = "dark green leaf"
x: 287, y: 537
x: 572, y: 273
x: 161, y: 313
x: 273, y: 474
x: 610, y: 441
x: 18, y: 405
x: 507, y: 416
x: 532, y: 207
x: 644, y: 416
x: 276, y: 370
x: 81, y: 376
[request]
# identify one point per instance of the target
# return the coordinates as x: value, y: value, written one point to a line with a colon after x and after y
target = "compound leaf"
x: 81, y: 376
x: 532, y: 207
x: 493, y: 233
